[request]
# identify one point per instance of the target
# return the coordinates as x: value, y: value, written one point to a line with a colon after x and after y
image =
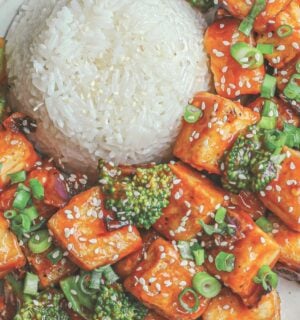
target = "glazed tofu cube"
x: 285, y: 48
x: 16, y: 154
x: 48, y: 272
x: 80, y: 229
x: 252, y: 250
x: 193, y: 198
x: 229, y: 306
x: 159, y: 279
x: 230, y: 78
x: 202, y: 144
x: 282, y: 195
x: 11, y: 256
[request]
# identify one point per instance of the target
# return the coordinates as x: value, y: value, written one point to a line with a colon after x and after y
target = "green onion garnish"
x: 298, y: 66
x: 267, y: 123
x: 21, y: 199
x: 31, y: 284
x: 55, y: 256
x: 95, y: 281
x: 267, y: 278
x: 10, y: 214
x: 275, y: 140
x: 292, y: 89
x: 192, y: 114
x: 206, y: 285
x: 184, y: 305
x: 264, y: 224
x: 31, y: 213
x: 83, y: 284
x: 246, y: 25
x: 185, y: 250
x: 37, y: 189
x: 284, y: 31
x: 268, y: 87
x: 225, y: 261
x: 246, y: 55
x: 198, y: 254
x: 40, y: 241
x: 265, y: 48
x: 220, y: 215
x: 20, y: 224
x: 292, y: 135
x: 17, y: 177
x: 109, y: 275
x: 270, y: 109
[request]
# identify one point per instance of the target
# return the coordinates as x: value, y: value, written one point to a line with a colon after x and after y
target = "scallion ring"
x: 20, y: 224
x: 268, y: 87
x: 292, y: 89
x: 192, y: 114
x: 10, y: 214
x: 37, y: 189
x: 40, y: 241
x: 206, y: 285
x: 267, y: 278
x: 284, y: 31
x: 264, y: 224
x: 274, y: 140
x: 31, y: 284
x: 265, y: 48
x: 17, y: 177
x: 220, y: 215
x: 55, y: 256
x: 246, y: 55
x: 21, y: 200
x: 83, y: 284
x: 31, y: 212
x: 184, y: 305
x: 225, y: 261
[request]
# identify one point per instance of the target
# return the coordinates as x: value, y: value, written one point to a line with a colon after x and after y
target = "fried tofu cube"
x: 230, y: 78
x: 48, y: 272
x: 159, y: 279
x: 80, y: 229
x: 282, y: 195
x: 193, y: 198
x: 252, y: 250
x: 202, y: 144
x: 11, y: 256
x: 229, y: 306
x: 16, y: 154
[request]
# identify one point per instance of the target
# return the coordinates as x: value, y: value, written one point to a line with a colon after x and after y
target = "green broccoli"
x: 248, y: 166
x: 114, y: 304
x: 46, y: 306
x: 140, y: 197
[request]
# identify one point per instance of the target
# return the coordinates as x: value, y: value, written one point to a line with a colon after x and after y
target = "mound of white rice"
x: 106, y: 78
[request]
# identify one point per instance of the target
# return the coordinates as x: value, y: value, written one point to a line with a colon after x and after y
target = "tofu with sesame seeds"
x: 159, y: 279
x: 252, y: 249
x: 79, y: 228
x: 241, y: 9
x: 282, y: 195
x: 231, y: 79
x: 229, y: 306
x: 16, y: 154
x: 193, y: 198
x: 222, y: 122
x: 288, y: 47
x: 11, y: 256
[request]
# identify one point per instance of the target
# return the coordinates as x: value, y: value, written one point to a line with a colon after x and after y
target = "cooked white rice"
x: 106, y: 78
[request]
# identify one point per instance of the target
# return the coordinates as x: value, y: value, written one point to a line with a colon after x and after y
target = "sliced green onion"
x: 31, y: 213
x: 83, y: 284
x: 40, y: 241
x: 275, y: 140
x: 185, y: 250
x: 292, y: 89
x: 96, y: 278
x: 21, y: 199
x: 55, y: 256
x: 184, y: 305
x: 20, y: 224
x: 267, y: 123
x: 220, y: 215
x: 37, y: 189
x: 206, y: 285
x: 298, y: 66
x: 22, y: 187
x: 246, y: 55
x: 270, y: 109
x: 17, y: 177
x: 225, y: 261
x: 265, y: 48
x: 109, y: 275
x: 293, y: 135
x: 31, y: 284
x: 198, y: 254
x: 246, y: 25
x: 192, y: 114
x: 267, y: 278
x: 284, y: 31
x: 264, y: 224
x: 10, y: 214
x: 268, y: 87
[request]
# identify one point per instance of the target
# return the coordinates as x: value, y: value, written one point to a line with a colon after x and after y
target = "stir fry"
x: 200, y: 237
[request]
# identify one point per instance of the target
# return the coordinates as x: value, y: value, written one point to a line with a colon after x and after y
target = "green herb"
x: 267, y: 278
x: 184, y: 305
x: 206, y: 285
x: 225, y: 261
x: 264, y: 224
x: 284, y: 31
x: 246, y: 55
x: 192, y: 114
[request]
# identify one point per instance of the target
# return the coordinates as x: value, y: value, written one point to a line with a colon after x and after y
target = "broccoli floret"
x: 46, y: 306
x: 138, y: 198
x: 247, y: 166
x: 114, y: 304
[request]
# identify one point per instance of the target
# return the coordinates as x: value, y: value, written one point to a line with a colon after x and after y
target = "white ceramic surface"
x: 289, y: 291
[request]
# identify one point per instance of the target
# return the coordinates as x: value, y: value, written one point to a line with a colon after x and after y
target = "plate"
x: 289, y: 291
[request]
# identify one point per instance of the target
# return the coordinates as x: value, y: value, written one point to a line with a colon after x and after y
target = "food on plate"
x: 91, y: 93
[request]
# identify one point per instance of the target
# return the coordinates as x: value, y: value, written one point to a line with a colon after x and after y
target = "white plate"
x: 289, y: 291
